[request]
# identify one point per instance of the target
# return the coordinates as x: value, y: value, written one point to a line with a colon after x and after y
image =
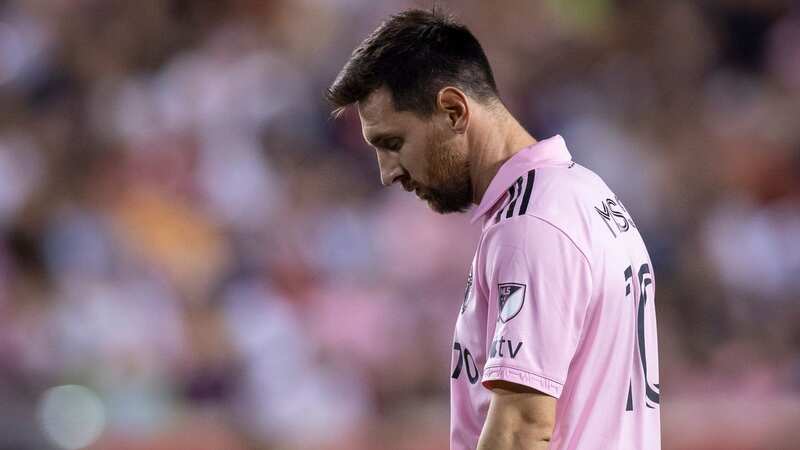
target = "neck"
x: 496, y: 137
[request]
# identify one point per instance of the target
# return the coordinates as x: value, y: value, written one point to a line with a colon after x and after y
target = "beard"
x: 450, y: 188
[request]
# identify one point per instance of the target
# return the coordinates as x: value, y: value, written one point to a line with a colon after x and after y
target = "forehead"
x: 378, y: 114
x: 376, y: 106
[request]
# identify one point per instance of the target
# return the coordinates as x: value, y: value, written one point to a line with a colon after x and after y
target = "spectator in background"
x: 177, y: 233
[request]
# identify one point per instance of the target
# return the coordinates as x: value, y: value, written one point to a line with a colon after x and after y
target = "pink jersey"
x: 560, y: 298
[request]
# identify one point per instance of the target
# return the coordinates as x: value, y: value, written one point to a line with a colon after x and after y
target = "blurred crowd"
x: 194, y: 255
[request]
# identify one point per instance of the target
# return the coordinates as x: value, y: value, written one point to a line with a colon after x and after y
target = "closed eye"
x: 393, y: 144
x: 386, y: 142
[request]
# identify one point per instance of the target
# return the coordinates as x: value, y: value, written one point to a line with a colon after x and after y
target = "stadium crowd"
x: 188, y: 236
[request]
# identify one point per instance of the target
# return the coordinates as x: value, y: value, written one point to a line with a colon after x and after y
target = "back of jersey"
x: 611, y: 395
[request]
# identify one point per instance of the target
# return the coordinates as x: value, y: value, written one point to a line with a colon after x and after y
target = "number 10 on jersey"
x: 644, y: 278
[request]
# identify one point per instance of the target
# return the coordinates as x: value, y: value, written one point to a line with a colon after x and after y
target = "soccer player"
x: 555, y: 344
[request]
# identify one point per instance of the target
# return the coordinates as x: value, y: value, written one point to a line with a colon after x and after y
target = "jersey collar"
x: 546, y: 152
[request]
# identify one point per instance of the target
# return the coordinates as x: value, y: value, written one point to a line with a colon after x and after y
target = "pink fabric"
x: 560, y: 298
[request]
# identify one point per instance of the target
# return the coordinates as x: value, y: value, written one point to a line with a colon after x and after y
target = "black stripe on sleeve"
x: 518, y: 185
x: 528, y: 189
x: 500, y: 211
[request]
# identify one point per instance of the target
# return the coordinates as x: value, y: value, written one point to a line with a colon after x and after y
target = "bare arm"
x: 519, y: 418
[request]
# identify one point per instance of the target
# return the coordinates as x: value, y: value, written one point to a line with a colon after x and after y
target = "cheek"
x: 423, y: 159
x: 442, y: 161
x: 416, y: 163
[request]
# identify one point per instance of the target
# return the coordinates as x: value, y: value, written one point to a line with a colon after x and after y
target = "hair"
x: 415, y: 54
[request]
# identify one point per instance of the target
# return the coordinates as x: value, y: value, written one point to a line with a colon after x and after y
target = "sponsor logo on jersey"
x: 498, y: 345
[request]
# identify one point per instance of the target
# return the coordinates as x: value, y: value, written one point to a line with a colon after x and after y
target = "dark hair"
x: 415, y: 54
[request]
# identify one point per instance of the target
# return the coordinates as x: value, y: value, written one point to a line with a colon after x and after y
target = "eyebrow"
x: 379, y: 140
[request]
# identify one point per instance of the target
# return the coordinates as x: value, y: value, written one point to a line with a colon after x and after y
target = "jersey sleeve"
x: 539, y: 288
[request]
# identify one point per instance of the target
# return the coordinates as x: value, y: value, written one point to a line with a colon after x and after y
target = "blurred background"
x: 193, y: 255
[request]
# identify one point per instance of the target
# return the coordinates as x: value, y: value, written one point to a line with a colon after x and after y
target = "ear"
x: 453, y: 102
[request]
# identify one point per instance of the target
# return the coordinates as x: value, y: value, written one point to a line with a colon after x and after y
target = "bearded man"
x: 555, y: 344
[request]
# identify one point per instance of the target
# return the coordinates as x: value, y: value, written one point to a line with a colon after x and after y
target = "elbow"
x: 530, y: 436
x: 522, y: 438
x: 539, y: 433
x: 536, y: 427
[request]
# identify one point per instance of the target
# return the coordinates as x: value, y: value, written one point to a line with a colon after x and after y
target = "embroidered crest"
x: 510, y: 300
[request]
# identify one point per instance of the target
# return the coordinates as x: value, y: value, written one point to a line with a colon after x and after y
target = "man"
x: 555, y: 344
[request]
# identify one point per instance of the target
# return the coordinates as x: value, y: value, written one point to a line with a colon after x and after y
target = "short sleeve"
x: 539, y: 287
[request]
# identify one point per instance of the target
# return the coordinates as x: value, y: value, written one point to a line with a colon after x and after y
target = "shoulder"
x: 553, y: 203
x: 551, y: 191
x: 529, y: 237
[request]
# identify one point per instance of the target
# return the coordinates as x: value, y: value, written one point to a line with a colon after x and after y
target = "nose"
x: 390, y: 168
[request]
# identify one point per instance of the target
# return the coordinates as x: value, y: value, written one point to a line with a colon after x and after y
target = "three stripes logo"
x: 517, y: 206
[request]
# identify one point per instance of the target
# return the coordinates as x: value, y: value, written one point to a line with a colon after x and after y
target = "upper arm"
x: 518, y: 416
x: 539, y: 287
x: 523, y: 404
